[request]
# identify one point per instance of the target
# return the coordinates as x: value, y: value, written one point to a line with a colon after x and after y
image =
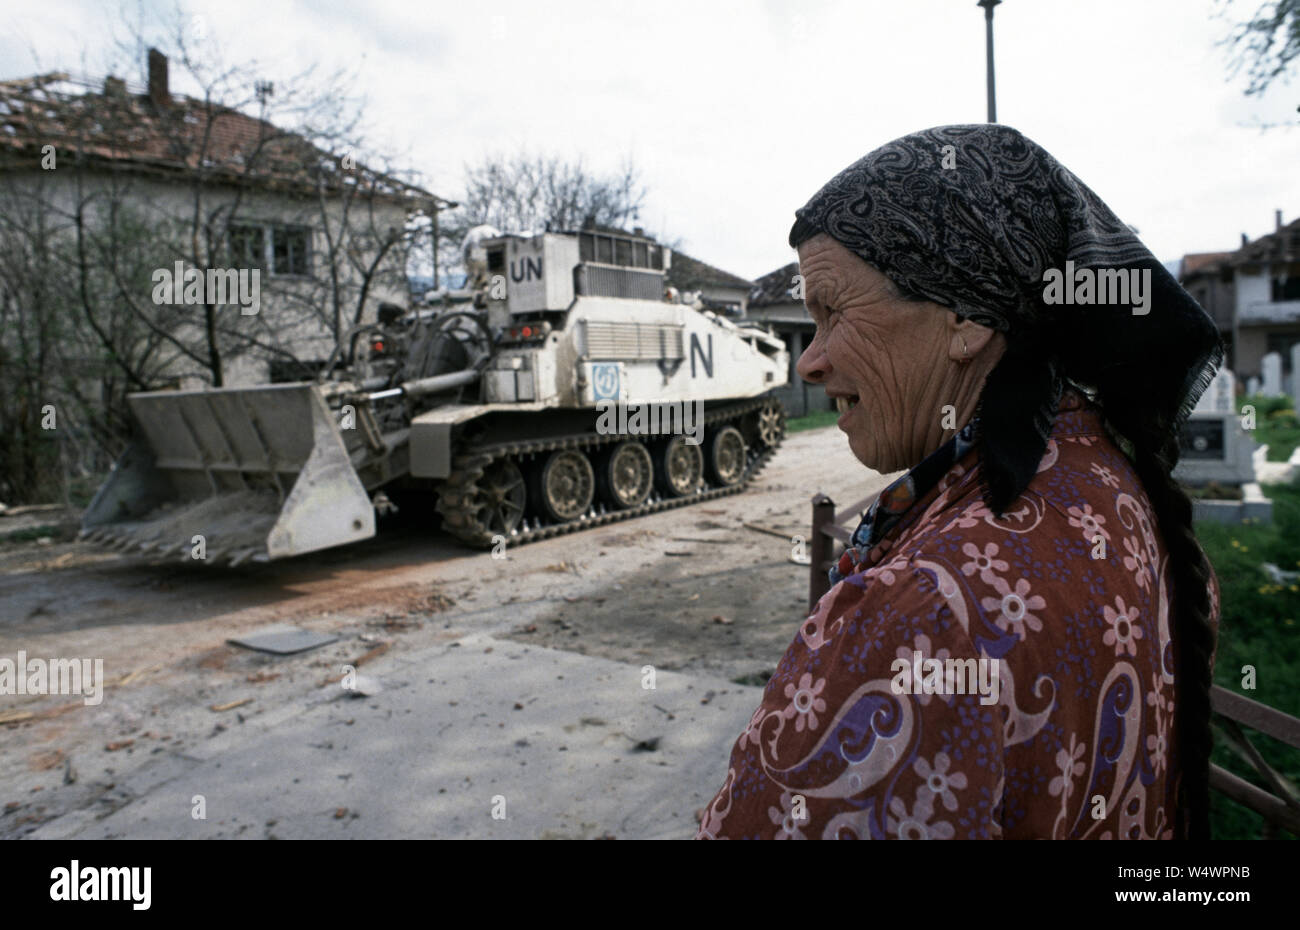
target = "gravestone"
x: 1215, y: 447
x: 1221, y: 395
x: 1272, y: 368
x: 1252, y: 385
x: 1295, y: 376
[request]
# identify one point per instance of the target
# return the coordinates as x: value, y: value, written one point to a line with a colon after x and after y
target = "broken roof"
x: 774, y: 287
x: 1281, y: 245
x: 183, y: 136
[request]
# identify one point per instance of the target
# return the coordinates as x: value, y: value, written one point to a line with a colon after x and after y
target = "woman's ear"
x: 967, y: 339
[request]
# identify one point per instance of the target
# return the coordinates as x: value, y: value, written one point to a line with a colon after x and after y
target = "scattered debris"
x: 44, y: 761
x: 118, y: 744
x: 647, y: 745
x: 708, y: 696
x: 259, y: 677
x: 20, y: 716
x: 340, y: 813
x: 670, y: 552
x: 694, y: 597
x: 438, y: 602
x: 518, y: 706
x: 231, y: 706
x: 718, y: 618
x: 132, y: 676
x: 766, y: 529
x: 283, y: 640
x: 374, y: 653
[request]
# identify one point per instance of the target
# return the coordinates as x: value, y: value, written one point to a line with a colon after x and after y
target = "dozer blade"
x: 259, y: 473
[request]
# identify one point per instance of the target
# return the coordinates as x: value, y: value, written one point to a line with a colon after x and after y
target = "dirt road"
x: 689, y: 591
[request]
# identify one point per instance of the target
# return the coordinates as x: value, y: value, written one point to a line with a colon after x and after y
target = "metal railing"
x: 1278, y: 805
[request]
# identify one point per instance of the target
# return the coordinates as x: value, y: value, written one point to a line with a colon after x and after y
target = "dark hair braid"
x: 1191, y: 628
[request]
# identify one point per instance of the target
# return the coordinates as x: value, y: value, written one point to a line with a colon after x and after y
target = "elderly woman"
x: 1019, y: 642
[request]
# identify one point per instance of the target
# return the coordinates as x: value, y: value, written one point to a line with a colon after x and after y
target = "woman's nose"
x: 813, y: 364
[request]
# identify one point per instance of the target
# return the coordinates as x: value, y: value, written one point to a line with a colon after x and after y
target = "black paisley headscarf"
x: 970, y: 217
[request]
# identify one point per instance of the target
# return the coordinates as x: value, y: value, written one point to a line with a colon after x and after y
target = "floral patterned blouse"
x: 972, y: 677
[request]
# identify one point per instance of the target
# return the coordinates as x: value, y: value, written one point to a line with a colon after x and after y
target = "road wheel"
x: 771, y: 425
x: 484, y: 501
x: 726, y: 457
x: 566, y: 485
x: 625, y: 475
x: 679, y: 467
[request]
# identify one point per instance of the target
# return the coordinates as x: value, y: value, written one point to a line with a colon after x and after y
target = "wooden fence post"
x: 823, y: 515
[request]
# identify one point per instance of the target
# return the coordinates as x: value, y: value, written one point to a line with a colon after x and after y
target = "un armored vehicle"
x: 522, y: 414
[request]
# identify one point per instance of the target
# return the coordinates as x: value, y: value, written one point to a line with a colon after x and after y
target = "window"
x: 284, y: 250
x: 291, y: 247
x: 247, y: 246
x: 1286, y: 287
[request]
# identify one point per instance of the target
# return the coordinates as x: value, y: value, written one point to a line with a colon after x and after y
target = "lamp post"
x: 988, y: 6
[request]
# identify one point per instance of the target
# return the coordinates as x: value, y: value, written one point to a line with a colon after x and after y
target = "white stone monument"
x: 1221, y: 395
x: 1272, y: 368
x: 1295, y: 376
x: 1252, y: 385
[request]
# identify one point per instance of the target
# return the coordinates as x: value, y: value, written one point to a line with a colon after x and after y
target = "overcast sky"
x: 737, y: 112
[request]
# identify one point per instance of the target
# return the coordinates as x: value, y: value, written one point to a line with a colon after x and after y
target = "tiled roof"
x: 1195, y: 261
x: 1281, y: 245
x: 774, y: 287
x: 183, y: 136
x: 689, y: 274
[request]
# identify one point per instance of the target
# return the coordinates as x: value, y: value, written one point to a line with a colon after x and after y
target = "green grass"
x: 1260, y: 627
x: 815, y: 420
x: 1276, y: 424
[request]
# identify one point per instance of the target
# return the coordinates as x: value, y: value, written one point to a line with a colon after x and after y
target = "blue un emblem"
x: 604, y: 382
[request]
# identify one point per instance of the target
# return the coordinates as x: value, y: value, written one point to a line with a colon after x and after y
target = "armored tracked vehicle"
x: 510, y: 413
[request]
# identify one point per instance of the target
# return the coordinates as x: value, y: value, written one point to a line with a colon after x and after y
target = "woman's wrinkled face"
x: 879, y: 356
